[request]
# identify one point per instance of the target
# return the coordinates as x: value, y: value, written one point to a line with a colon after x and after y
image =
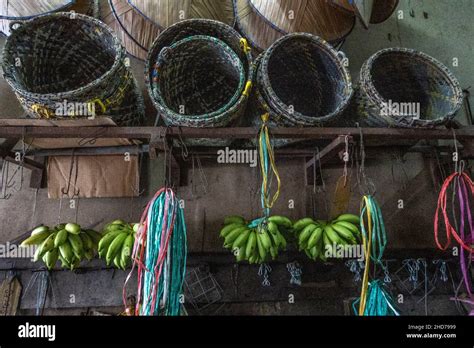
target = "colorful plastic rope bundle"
x: 462, y: 187
x: 267, y: 161
x: 160, y: 255
x: 374, y: 298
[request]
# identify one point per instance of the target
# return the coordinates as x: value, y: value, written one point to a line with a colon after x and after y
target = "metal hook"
x: 366, y: 185
x: 65, y: 191
x: 4, y: 181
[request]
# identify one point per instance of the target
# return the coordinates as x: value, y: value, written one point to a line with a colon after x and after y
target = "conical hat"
x: 168, y: 12
x: 136, y: 32
x: 319, y: 18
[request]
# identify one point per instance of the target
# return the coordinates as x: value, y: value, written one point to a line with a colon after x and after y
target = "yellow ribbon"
x: 245, y: 45
x: 248, y: 88
x: 42, y: 111
x: 271, y: 156
x: 367, y: 245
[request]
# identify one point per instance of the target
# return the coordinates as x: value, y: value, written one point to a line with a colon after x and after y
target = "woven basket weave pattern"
x: 407, y: 76
x: 215, y: 109
x: 303, y: 81
x: 71, y: 57
x: 202, y: 74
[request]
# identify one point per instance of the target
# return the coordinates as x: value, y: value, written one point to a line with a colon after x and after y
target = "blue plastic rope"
x: 170, y: 283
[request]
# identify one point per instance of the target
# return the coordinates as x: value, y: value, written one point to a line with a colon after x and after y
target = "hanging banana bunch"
x: 68, y: 243
x: 256, y: 242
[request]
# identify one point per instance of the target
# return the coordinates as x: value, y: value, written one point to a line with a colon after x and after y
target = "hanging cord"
x: 159, y: 253
x: 267, y: 160
x: 463, y: 194
x: 374, y: 299
x: 4, y: 180
x: 346, y: 159
x: 366, y: 186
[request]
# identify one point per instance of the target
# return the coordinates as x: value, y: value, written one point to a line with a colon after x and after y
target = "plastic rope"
x: 374, y: 299
x: 442, y: 206
x: 159, y: 253
x: 379, y: 301
x: 463, y: 188
x: 267, y: 160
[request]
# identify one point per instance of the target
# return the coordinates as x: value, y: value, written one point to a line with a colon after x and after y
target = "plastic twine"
x: 374, y: 299
x: 442, y: 207
x: 159, y: 253
x: 463, y: 187
x: 267, y: 160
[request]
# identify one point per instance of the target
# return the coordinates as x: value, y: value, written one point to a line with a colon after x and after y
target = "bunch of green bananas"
x: 117, y: 243
x: 314, y: 236
x: 65, y: 242
x: 255, y: 244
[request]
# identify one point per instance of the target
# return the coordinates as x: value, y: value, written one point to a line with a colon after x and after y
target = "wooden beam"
x: 336, y: 146
x: 232, y: 133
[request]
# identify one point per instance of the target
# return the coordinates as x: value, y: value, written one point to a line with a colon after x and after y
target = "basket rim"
x: 238, y: 90
x: 268, y: 90
x: 23, y: 18
x: 366, y: 81
x: 118, y: 61
x: 150, y: 61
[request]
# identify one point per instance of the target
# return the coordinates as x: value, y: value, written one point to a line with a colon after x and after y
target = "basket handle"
x: 14, y: 25
x: 342, y: 56
x: 164, y: 55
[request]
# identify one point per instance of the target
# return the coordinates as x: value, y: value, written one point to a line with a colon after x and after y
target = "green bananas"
x: 117, y: 243
x: 67, y: 243
x: 315, y: 235
x: 254, y: 244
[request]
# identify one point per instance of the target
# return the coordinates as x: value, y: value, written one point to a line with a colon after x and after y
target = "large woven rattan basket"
x: 135, y: 31
x: 15, y: 10
x: 263, y: 22
x: 73, y: 59
x: 199, y: 75
x: 165, y: 13
x: 401, y: 87
x: 302, y: 81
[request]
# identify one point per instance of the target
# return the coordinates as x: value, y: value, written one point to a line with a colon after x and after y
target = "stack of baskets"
x: 409, y: 80
x: 301, y: 81
x: 75, y: 59
x: 199, y: 74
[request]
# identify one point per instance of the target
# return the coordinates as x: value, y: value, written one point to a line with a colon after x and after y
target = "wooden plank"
x: 37, y: 175
x: 231, y: 133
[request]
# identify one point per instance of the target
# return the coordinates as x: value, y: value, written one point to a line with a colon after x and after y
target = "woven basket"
x: 302, y: 81
x: 263, y: 22
x: 206, y: 76
x: 72, y: 58
x: 15, y: 10
x: 136, y: 32
x: 400, y: 75
x: 165, y: 13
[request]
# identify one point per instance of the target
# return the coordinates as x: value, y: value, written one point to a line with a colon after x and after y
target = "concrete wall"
x: 445, y: 32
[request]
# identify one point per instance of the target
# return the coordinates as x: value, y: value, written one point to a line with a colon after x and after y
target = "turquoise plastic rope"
x: 174, y: 268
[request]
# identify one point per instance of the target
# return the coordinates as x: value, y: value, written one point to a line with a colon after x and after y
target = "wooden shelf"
x: 158, y: 139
